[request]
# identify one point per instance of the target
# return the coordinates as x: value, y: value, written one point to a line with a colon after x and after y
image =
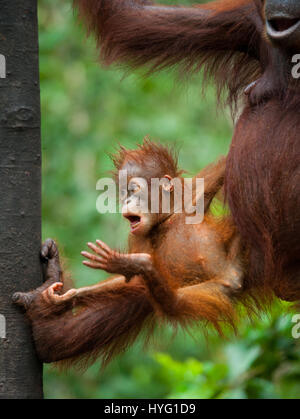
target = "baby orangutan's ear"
x: 168, y: 184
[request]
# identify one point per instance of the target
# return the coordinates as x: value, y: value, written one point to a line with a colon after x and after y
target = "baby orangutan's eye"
x: 134, y: 188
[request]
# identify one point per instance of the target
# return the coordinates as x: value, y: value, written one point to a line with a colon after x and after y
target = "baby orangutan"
x: 173, y: 271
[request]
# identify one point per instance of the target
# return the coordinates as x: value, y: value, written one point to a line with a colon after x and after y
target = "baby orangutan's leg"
x: 104, y: 258
x: 52, y: 289
x: 211, y: 301
x: 52, y: 294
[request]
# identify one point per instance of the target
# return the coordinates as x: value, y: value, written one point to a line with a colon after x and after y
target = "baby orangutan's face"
x: 136, y: 204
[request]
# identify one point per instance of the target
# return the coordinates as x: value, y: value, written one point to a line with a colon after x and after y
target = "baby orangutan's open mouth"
x: 134, y: 220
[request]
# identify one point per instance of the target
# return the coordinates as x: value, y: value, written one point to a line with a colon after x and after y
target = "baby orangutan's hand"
x: 115, y: 262
x: 103, y: 257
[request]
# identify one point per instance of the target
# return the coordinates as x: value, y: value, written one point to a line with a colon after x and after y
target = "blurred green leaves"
x: 264, y: 363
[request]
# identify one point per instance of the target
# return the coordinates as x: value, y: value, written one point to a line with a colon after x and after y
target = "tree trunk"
x: 20, y: 194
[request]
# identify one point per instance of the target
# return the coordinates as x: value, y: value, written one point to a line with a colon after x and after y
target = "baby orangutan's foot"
x: 50, y: 257
x: 24, y: 299
x: 51, y: 294
x: 52, y: 274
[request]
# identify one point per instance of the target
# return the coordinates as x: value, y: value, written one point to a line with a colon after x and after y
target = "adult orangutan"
x: 245, y: 46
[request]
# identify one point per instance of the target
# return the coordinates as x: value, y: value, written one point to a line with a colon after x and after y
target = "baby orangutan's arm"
x: 210, y: 300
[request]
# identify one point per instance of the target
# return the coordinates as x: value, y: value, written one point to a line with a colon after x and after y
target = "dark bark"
x: 20, y: 194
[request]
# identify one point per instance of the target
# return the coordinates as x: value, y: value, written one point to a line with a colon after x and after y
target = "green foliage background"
x: 86, y: 112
